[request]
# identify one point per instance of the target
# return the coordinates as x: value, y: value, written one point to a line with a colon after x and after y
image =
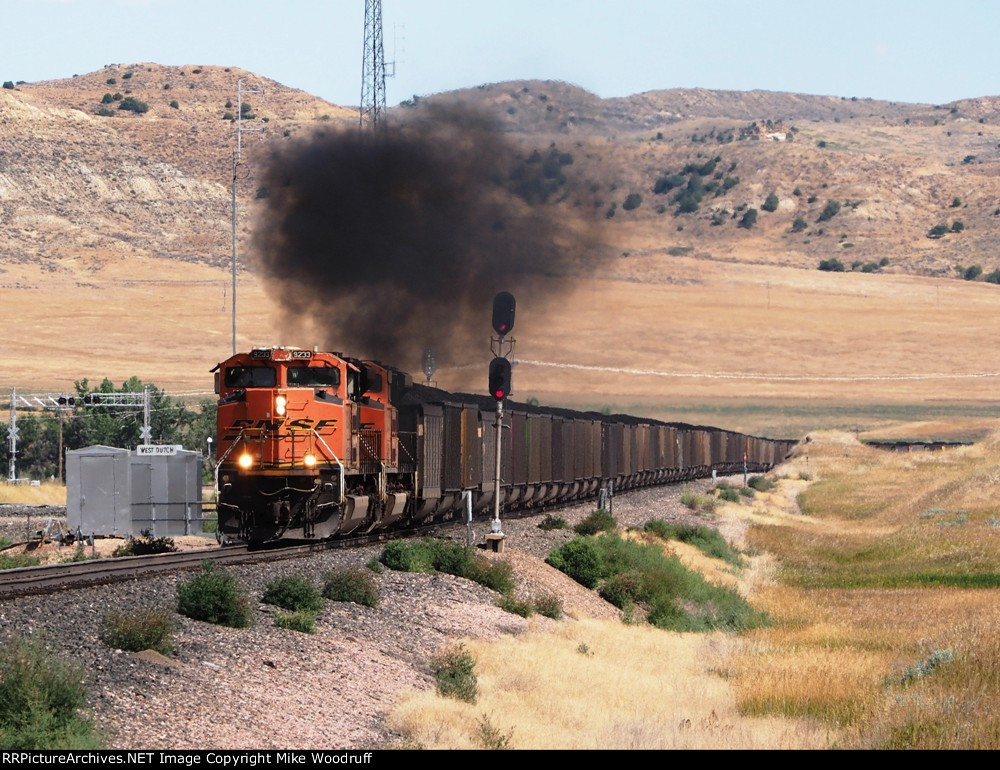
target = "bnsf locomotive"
x: 312, y: 445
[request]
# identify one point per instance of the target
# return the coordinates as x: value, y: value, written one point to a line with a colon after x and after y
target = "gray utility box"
x: 113, y: 491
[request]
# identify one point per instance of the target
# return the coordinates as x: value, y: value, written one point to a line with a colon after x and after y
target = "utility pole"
x: 237, y: 160
x: 372, y: 109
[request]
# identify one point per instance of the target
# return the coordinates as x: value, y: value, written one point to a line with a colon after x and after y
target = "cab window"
x: 313, y: 377
x: 251, y: 377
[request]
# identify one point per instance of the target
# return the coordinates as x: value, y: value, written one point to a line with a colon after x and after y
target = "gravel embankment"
x: 263, y: 686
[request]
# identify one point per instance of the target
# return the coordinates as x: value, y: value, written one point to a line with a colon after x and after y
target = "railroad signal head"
x: 499, y: 378
x: 92, y: 398
x: 503, y: 313
x: 66, y: 401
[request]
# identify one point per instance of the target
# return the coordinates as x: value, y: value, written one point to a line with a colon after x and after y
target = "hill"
x: 116, y: 223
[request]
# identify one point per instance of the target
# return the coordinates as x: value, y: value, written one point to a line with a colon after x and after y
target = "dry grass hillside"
x: 115, y: 244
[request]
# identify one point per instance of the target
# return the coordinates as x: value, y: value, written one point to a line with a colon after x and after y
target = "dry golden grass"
x: 893, y: 636
x: 47, y: 493
x: 631, y: 687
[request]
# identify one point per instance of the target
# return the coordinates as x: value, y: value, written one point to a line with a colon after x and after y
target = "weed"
x: 584, y: 649
x: 452, y: 558
x: 296, y: 621
x: 761, y: 483
x: 351, y: 584
x: 641, y: 575
x: 510, y: 603
x: 550, y: 606
x: 690, y: 499
x: 579, y: 559
x: 80, y: 554
x: 454, y: 672
x: 293, y: 592
x: 18, y: 560
x: 491, y: 737
x: 923, y: 668
x: 551, y: 522
x: 5, y: 543
x: 706, y: 539
x: 214, y: 596
x: 145, y: 545
x: 41, y: 701
x: 143, y: 629
x: 375, y: 565
x: 747, y: 492
x: 730, y: 495
x: 598, y: 521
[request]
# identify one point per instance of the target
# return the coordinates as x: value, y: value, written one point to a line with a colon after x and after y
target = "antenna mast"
x: 373, y: 68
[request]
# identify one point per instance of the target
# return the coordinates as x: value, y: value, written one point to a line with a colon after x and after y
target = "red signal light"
x: 500, y: 378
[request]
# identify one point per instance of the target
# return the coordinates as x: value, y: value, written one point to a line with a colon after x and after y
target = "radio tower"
x: 373, y: 68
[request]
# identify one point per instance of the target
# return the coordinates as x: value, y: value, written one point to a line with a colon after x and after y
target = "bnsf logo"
x: 233, y: 431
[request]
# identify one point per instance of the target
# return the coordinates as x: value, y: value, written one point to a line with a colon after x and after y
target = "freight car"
x: 313, y: 445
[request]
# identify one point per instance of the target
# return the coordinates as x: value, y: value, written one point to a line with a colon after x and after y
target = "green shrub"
x: 830, y: 210
x: 666, y: 183
x: 293, y: 592
x: 131, y: 104
x: 448, y: 557
x: 747, y: 491
x: 598, y: 521
x: 956, y: 202
x: 689, y: 499
x: 760, y: 483
x: 633, y: 201
x: 107, y: 99
x: 104, y: 112
x: 454, y: 673
x: 375, y: 565
x: 993, y: 277
x: 551, y: 522
x: 833, y: 265
x: 143, y: 629
x: 174, y: 104
x: 9, y: 85
x: 749, y: 219
x: 972, y: 272
x: 126, y: 76
x: 110, y: 81
x: 491, y: 737
x: 145, y: 545
x: 351, y: 584
x: 579, y: 559
x: 770, y: 203
x: 730, y: 495
x: 18, y: 560
x: 302, y: 621
x: 641, y: 575
x: 957, y: 226
x: 41, y: 701
x: 510, y: 603
x: 706, y: 539
x: 938, y: 231
x: 229, y: 116
x: 214, y: 596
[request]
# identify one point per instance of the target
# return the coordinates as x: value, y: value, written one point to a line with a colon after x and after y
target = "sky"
x: 912, y: 50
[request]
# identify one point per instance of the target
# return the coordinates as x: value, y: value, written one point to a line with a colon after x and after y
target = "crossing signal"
x: 503, y: 313
x: 499, y: 378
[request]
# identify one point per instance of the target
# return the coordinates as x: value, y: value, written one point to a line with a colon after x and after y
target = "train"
x: 314, y: 445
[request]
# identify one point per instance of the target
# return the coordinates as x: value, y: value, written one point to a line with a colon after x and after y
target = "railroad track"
x: 50, y: 578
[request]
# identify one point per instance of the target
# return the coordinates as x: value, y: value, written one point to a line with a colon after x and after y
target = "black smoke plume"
x: 394, y: 241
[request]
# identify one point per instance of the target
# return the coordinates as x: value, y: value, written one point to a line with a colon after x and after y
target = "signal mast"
x: 502, y: 348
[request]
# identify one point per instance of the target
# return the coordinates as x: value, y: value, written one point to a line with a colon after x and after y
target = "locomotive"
x: 314, y: 444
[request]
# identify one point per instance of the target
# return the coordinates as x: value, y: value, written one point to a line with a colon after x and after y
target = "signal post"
x: 500, y: 387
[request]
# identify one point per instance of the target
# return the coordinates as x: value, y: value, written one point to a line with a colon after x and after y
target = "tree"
x: 749, y: 219
x: 830, y: 210
x: 771, y: 203
x: 633, y: 201
x: 799, y: 225
x: 938, y: 231
x: 972, y: 273
x: 831, y: 265
x: 9, y: 85
x: 132, y: 104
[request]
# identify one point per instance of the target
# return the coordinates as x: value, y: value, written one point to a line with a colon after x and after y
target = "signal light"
x: 499, y: 378
x: 66, y: 401
x: 503, y: 313
x: 93, y: 398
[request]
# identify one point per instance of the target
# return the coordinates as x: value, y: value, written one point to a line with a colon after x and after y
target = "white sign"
x: 157, y: 450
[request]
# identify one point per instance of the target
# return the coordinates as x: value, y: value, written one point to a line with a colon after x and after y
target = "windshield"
x: 251, y: 377
x: 314, y: 377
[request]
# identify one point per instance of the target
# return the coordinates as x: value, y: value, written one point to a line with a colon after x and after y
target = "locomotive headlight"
x: 279, y: 404
x: 245, y: 461
x: 309, y: 461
